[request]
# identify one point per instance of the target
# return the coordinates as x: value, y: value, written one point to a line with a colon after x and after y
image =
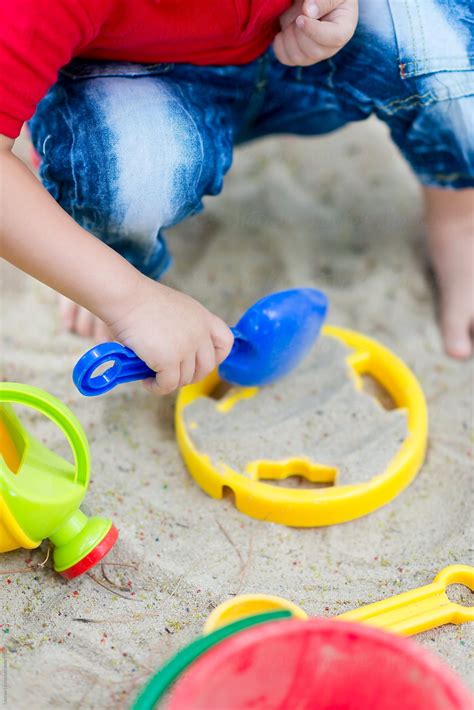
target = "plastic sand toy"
x: 406, y: 614
x: 320, y: 664
x: 271, y: 338
x: 40, y: 492
x: 260, y: 648
x: 256, y: 496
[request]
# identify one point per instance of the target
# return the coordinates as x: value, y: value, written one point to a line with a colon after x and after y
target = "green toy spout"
x: 80, y: 542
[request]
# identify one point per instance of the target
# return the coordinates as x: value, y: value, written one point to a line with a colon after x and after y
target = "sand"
x: 340, y: 213
x: 316, y: 414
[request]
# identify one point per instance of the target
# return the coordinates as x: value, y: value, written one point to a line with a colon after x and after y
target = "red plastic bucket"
x: 318, y: 665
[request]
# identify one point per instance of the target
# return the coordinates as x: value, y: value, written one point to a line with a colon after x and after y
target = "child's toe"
x: 67, y: 312
x: 456, y: 326
x: 101, y: 331
x: 84, y: 324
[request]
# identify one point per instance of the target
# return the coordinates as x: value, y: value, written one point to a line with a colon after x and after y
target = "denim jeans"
x: 131, y: 149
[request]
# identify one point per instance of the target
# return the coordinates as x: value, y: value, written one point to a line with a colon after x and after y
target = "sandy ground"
x: 341, y: 213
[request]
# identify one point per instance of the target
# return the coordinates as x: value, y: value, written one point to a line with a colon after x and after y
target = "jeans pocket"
x: 434, y: 36
x: 88, y: 69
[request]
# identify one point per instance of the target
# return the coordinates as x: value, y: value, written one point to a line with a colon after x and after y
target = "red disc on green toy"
x: 94, y: 556
x: 323, y: 664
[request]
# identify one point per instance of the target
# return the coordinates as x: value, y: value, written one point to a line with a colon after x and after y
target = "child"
x: 141, y: 121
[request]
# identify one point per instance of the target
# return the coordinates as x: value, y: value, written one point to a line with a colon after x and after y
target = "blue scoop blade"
x: 274, y: 336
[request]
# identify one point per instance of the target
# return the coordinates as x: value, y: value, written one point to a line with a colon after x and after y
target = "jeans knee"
x: 155, y: 154
x: 123, y: 158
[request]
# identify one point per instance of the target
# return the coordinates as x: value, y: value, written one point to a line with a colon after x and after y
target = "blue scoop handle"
x: 124, y: 366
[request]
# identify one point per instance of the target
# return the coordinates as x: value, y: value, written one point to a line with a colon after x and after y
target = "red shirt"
x: 38, y: 37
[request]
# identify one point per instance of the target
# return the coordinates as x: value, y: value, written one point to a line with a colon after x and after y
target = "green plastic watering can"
x: 40, y: 492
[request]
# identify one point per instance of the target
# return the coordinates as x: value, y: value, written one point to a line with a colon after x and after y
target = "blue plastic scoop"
x: 271, y: 339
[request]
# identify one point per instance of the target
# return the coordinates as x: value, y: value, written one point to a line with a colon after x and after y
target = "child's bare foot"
x: 449, y: 218
x: 78, y: 320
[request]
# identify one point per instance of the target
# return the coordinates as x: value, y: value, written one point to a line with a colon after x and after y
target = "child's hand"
x: 176, y: 336
x: 313, y: 30
x: 171, y: 332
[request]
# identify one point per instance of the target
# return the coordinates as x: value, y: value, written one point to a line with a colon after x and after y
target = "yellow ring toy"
x: 327, y: 506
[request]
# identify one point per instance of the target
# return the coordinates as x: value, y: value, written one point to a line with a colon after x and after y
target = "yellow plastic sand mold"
x: 258, y: 498
x: 405, y: 614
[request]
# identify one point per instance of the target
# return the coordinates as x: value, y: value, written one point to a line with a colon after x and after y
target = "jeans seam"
x: 452, y: 176
x: 416, y: 102
x: 449, y: 57
x: 412, y: 32
x: 198, y: 132
x: 426, y: 99
x: 394, y: 106
x: 67, y: 118
x: 422, y: 32
x: 417, y: 99
x: 152, y: 69
x: 258, y: 94
x: 333, y: 67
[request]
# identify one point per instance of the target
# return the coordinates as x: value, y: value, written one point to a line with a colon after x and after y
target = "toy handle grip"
x: 59, y: 414
x: 419, y: 609
x: 125, y: 366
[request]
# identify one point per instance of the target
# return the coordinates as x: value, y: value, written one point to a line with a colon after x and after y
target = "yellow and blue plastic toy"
x: 40, y: 492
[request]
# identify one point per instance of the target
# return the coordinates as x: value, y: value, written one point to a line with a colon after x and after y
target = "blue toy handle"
x: 124, y: 366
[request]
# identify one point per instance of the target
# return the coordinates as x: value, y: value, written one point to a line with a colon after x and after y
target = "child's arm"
x: 173, y: 333
x: 313, y: 30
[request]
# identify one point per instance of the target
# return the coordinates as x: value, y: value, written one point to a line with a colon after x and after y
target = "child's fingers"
x: 320, y: 8
x: 166, y: 380
x: 279, y: 49
x: 311, y: 8
x: 150, y: 385
x: 334, y: 34
x: 291, y: 14
x: 205, y: 361
x: 186, y: 371
x: 288, y: 50
x: 312, y: 51
x: 222, y: 339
